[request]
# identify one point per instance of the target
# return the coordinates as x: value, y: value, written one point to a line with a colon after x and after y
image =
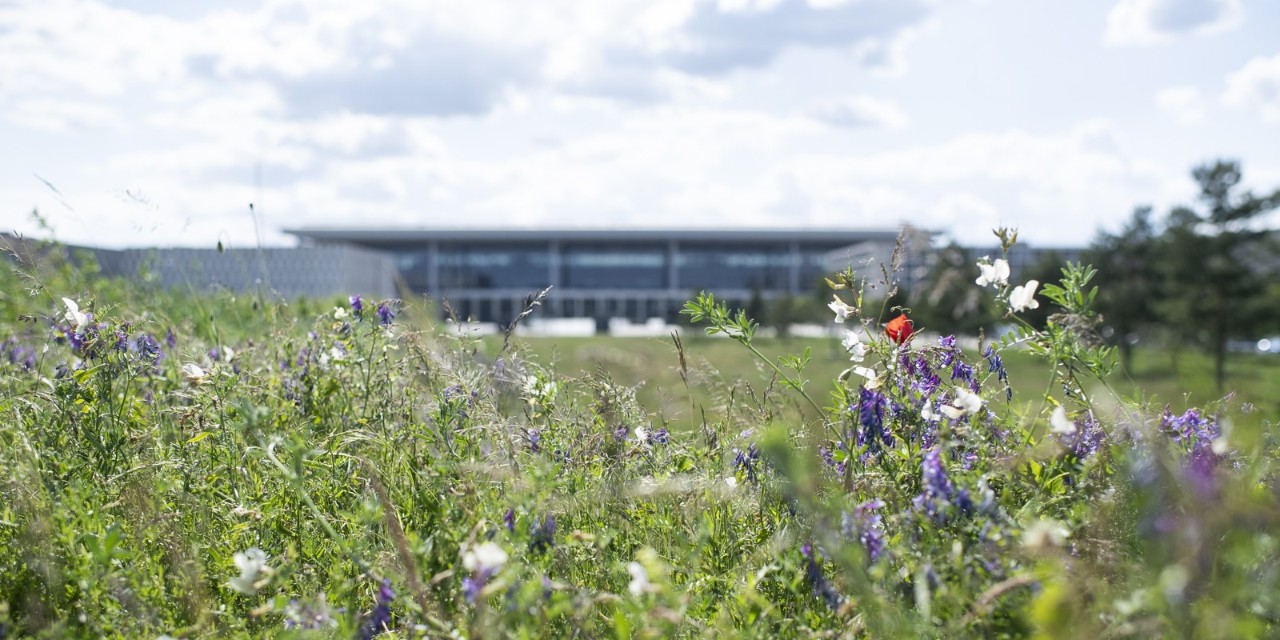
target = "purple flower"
x: 818, y: 582
x: 385, y: 313
x: 170, y: 340
x: 867, y: 527
x: 542, y: 533
x: 621, y: 432
x: 535, y: 440
x: 995, y: 364
x: 471, y: 586
x: 378, y: 620
x: 938, y: 494
x: 509, y: 519
x: 661, y: 436
x: 871, y: 408
x: 747, y: 460
x: 961, y: 371
x: 948, y: 344
x: 357, y: 305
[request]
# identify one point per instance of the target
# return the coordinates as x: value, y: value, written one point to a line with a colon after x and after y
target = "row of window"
x: 614, y: 267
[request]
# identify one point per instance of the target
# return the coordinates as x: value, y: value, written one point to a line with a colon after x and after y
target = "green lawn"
x: 653, y: 364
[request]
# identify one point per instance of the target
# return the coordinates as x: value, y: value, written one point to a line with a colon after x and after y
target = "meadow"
x: 207, y: 464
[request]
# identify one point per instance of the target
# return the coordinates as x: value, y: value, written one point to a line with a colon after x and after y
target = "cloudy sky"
x: 151, y: 122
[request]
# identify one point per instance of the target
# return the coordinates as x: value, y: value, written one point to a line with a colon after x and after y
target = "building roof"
x: 362, y: 235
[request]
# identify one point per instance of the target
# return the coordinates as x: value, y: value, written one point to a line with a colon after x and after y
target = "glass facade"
x: 710, y: 267
x: 624, y: 266
x: 494, y: 266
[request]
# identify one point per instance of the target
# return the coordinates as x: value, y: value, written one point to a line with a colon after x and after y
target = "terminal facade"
x: 485, y: 275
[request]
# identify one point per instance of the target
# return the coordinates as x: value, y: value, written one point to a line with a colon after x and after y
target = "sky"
x: 158, y: 123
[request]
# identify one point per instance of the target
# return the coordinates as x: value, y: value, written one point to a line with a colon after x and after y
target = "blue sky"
x: 153, y: 119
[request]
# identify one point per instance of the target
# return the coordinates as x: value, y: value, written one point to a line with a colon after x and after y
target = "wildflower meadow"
x: 191, y: 465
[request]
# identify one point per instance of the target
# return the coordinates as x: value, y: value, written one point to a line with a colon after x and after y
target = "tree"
x: 1128, y: 280
x: 1217, y: 264
x: 948, y: 302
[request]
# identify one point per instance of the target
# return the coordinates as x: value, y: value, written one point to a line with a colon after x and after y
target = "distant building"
x: 602, y: 273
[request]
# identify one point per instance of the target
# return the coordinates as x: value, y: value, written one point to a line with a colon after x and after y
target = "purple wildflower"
x: 948, y: 344
x: 542, y: 533
x: 661, y: 436
x: 938, y: 493
x: 379, y: 620
x: 995, y: 364
x: 535, y: 440
x: 621, y: 432
x: 961, y: 371
x: 385, y: 313
x: 817, y: 581
x: 747, y: 460
x: 871, y: 408
x: 867, y: 527
x: 357, y: 305
x: 509, y: 519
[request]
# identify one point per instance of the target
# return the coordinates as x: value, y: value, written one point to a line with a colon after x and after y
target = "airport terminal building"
x: 602, y: 274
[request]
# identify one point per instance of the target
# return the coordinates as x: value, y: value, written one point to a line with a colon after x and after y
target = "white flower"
x: 226, y: 354
x: 194, y: 374
x: 853, y: 344
x: 996, y: 273
x: 642, y: 435
x: 966, y: 402
x: 841, y: 309
x: 873, y: 379
x: 73, y: 315
x: 339, y: 313
x: 251, y: 563
x: 1060, y: 423
x: 732, y: 481
x: 1044, y: 534
x: 486, y: 556
x: 926, y: 412
x: 639, y: 578
x: 1024, y: 296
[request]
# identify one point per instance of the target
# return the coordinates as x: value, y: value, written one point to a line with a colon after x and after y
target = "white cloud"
x: 1256, y: 84
x: 1184, y: 104
x: 860, y: 111
x: 1154, y: 21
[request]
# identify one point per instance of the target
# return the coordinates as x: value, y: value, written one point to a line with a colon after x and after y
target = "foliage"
x: 233, y: 466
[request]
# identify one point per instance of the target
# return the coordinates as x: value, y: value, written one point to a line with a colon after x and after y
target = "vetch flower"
x: 993, y: 273
x: 966, y: 402
x: 1060, y: 424
x: 1024, y: 296
x: 485, y: 556
x: 899, y: 329
x: 252, y: 564
x: 73, y: 314
x: 853, y: 344
x: 385, y: 313
x: 841, y: 309
x: 639, y: 579
x: 357, y: 305
x: 873, y: 380
x: 193, y: 373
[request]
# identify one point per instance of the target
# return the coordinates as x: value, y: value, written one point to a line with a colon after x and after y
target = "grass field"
x: 231, y: 466
x: 653, y: 364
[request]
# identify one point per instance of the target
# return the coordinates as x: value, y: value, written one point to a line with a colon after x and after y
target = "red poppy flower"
x: 899, y: 329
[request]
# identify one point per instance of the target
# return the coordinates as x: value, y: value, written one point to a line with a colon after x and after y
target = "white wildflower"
x: 193, y: 373
x: 639, y: 579
x: 1024, y: 296
x: 340, y: 313
x: 841, y: 309
x: 1044, y: 534
x: 642, y: 435
x: 485, y: 556
x: 853, y: 344
x: 873, y: 379
x: 993, y: 273
x: 1060, y: 424
x: 731, y: 481
x: 252, y: 563
x: 966, y: 402
x: 74, y: 315
x: 927, y: 413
